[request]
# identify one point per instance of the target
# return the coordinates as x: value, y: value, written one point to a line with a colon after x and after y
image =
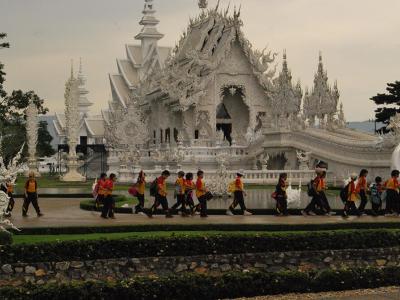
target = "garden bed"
x: 231, y: 285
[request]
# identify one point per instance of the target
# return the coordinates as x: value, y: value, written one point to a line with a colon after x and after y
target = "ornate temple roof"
x: 200, y: 51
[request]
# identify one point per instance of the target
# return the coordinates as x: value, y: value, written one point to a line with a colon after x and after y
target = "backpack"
x: 344, y: 193
x: 232, y: 187
x: 154, y: 188
x: 310, y: 189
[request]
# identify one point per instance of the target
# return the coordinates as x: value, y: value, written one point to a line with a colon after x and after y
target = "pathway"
x: 66, y: 212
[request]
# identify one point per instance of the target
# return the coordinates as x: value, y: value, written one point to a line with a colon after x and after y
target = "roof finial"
x: 320, y: 56
x: 284, y: 54
x: 80, y: 65
x: 72, y: 68
x: 203, y: 4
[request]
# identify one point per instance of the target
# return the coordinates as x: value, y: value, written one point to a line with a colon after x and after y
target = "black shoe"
x: 40, y: 215
x: 169, y: 216
x: 24, y: 215
x: 104, y: 217
x: 203, y: 216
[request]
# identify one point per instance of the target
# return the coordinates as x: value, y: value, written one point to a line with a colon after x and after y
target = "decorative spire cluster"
x: 322, y: 102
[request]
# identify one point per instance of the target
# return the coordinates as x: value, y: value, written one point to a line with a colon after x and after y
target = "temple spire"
x: 72, y: 68
x: 83, y: 102
x: 149, y: 34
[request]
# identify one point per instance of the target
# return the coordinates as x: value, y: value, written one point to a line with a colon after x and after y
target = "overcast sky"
x: 359, y: 40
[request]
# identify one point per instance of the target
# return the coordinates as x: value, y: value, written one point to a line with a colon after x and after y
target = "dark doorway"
x: 227, y: 130
x: 224, y: 122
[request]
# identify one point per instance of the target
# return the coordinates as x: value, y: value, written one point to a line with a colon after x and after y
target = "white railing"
x: 267, y: 177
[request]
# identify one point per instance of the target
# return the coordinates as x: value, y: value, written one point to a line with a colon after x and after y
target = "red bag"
x: 274, y: 195
x: 133, y: 191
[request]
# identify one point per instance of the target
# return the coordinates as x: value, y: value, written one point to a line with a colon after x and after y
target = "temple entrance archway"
x: 233, y: 115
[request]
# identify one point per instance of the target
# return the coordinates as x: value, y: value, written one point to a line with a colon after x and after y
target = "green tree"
x: 388, y: 105
x: 13, y: 116
x: 44, y: 148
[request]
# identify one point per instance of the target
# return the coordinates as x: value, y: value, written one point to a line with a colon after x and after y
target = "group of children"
x: 356, y: 189
x: 379, y: 192
x: 185, y: 190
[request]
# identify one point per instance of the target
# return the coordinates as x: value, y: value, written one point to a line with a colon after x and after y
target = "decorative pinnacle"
x: 284, y: 54
x: 72, y: 68
x: 203, y: 4
x: 80, y: 65
x: 320, y: 56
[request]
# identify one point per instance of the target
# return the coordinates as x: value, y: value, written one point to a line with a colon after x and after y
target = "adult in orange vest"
x: 31, y: 196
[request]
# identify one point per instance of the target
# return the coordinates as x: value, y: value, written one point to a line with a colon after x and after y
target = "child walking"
x: 189, y: 188
x: 281, y: 196
x: 108, y: 202
x: 202, y: 194
x: 8, y: 188
x: 161, y: 195
x: 376, y: 196
x: 362, y: 189
x: 392, y: 194
x: 31, y: 196
x: 140, y: 189
x: 352, y: 196
x: 180, y: 194
x: 238, y: 197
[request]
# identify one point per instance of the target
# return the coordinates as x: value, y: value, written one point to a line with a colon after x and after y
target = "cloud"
x: 357, y: 37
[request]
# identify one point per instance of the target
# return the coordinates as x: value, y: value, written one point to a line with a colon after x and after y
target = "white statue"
x: 304, y: 159
x: 32, y: 137
x: 294, y: 196
x: 219, y: 186
x: 264, y: 161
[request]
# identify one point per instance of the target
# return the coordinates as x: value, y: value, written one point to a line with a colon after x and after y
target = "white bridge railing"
x: 267, y: 177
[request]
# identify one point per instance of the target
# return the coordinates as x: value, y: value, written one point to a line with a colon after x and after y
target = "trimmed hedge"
x: 205, y: 227
x: 192, y: 245
x: 5, y: 238
x: 232, y: 285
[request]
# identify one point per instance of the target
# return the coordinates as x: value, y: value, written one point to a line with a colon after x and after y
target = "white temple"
x: 214, y: 96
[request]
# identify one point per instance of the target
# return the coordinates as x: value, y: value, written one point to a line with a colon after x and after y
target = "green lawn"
x: 34, y: 239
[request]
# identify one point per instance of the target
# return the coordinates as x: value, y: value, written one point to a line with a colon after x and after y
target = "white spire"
x: 149, y: 34
x: 83, y: 102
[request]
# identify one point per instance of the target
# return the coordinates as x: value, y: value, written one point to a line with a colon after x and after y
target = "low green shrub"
x: 191, y: 286
x: 194, y: 245
x: 5, y: 238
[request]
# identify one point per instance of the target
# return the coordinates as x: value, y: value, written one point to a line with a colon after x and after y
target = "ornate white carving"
x: 304, y: 159
x: 8, y: 173
x: 72, y: 120
x: 219, y: 185
x: 32, y: 136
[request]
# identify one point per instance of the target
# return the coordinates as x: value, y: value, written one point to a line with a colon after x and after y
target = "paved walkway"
x: 386, y: 293
x: 66, y: 212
